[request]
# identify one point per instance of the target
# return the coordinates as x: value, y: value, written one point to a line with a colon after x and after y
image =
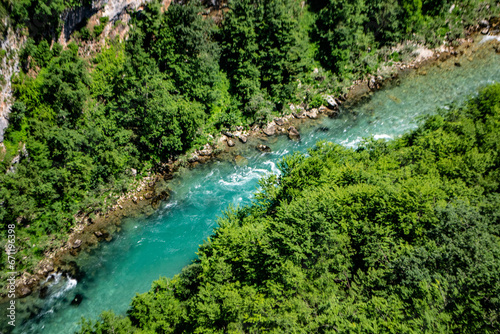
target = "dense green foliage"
x: 393, y: 237
x: 349, y: 32
x: 79, y: 127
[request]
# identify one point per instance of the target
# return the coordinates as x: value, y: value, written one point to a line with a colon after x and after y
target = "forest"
x: 80, y: 125
x: 392, y: 237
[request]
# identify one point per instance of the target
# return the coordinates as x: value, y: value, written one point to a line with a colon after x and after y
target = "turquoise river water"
x: 163, y: 243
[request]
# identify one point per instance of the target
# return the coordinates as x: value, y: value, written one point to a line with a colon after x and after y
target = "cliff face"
x: 9, y: 64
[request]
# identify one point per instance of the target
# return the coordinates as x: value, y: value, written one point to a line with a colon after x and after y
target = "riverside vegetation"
x: 79, y: 126
x: 392, y: 237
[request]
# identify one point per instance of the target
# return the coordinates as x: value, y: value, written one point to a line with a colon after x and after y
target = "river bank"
x: 151, y: 190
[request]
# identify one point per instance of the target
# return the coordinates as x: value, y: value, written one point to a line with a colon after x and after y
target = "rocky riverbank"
x: 151, y: 190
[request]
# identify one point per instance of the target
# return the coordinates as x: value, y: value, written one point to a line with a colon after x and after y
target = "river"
x: 163, y: 243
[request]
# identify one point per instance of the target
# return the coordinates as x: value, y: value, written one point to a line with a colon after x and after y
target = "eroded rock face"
x: 240, y: 161
x: 77, y: 243
x: 270, y: 130
x: 313, y: 113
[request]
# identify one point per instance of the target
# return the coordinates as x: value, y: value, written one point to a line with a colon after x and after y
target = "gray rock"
x: 372, y: 84
x: 77, y: 243
x: 331, y: 113
x: 207, y: 151
x: 230, y: 143
x: 331, y: 101
x: 293, y: 134
x: 270, y: 130
x: 243, y: 139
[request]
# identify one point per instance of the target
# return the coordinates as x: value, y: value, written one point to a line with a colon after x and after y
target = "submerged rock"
x: 264, y: 148
x: 293, y: 134
x: 313, y: 113
x: 332, y: 103
x: 279, y: 121
x: 77, y: 300
x: 394, y: 99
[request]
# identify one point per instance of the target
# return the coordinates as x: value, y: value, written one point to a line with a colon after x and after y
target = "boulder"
x: 313, y: 113
x: 264, y: 148
x: 372, y: 84
x: 77, y: 243
x: 279, y: 121
x: 98, y: 234
x: 77, y: 300
x: 293, y: 134
x: 331, y: 101
x: 242, y: 138
x: 230, y: 143
x: 270, y: 130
